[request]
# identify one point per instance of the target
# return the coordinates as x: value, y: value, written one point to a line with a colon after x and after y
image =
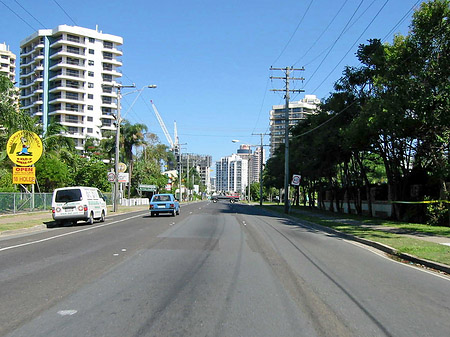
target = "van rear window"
x: 68, y: 195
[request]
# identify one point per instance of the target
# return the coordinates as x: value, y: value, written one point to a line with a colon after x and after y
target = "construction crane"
x: 173, y: 145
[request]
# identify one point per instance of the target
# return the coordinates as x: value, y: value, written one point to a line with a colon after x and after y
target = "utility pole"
x: 116, y: 160
x: 287, y: 79
x: 261, y: 162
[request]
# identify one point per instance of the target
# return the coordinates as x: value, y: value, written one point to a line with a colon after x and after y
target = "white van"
x: 70, y: 204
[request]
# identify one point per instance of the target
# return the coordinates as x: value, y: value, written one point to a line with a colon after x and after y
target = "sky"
x: 211, y: 59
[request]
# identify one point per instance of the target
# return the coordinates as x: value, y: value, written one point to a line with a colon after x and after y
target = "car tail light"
x: 172, y: 205
x: 151, y: 206
x: 53, y: 210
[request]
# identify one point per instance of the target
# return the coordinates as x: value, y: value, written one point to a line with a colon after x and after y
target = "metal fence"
x: 28, y: 202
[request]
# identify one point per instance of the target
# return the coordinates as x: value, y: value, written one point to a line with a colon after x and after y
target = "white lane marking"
x: 67, y: 312
x: 124, y: 250
x: 66, y: 234
x: 190, y: 212
x: 446, y: 244
x: 384, y: 256
x: 115, y: 254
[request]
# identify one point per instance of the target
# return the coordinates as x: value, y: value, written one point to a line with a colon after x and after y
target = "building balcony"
x: 64, y: 52
x: 64, y: 111
x: 113, y: 61
x: 68, y: 42
x: 63, y: 99
x: 78, y: 89
x: 65, y: 75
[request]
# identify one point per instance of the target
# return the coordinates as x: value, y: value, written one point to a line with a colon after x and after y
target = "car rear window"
x: 68, y: 195
x: 161, y: 198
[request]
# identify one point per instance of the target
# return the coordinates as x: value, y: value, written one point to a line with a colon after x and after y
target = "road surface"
x: 218, y: 269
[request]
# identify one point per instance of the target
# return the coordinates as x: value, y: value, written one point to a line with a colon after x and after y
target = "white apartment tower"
x: 69, y: 73
x: 231, y: 174
x: 297, y: 111
x: 254, y: 160
x: 7, y: 62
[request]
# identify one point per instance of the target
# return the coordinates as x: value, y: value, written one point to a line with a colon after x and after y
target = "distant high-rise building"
x: 7, y: 62
x: 69, y: 73
x: 231, y: 174
x: 202, y: 163
x: 254, y: 160
x: 297, y: 111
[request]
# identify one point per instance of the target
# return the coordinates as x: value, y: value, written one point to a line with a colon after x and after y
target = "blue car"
x: 164, y: 203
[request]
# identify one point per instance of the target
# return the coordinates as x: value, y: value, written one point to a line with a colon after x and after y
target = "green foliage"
x: 6, y: 181
x: 52, y: 173
x: 91, y: 172
x: 388, y: 119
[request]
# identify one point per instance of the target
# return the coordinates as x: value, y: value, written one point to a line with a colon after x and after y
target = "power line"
x: 323, y: 32
x: 401, y: 20
x: 18, y: 16
x: 340, y: 35
x: 56, y: 2
x: 295, y: 31
x: 356, y: 41
x: 30, y: 14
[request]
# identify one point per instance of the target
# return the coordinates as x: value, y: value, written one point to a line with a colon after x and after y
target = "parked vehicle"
x: 70, y: 204
x: 164, y: 203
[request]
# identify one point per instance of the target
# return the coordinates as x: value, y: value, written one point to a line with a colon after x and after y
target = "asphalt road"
x: 216, y: 270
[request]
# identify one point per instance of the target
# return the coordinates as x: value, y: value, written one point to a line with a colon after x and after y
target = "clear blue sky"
x: 210, y: 59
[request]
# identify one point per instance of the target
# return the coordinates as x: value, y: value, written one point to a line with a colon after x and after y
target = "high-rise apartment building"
x: 202, y: 163
x: 254, y: 160
x: 232, y: 174
x: 69, y: 74
x: 7, y: 62
x: 297, y: 111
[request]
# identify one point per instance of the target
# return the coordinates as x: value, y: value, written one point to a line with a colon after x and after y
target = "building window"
x: 91, y: 40
x: 91, y: 62
x: 90, y: 107
x: 90, y: 96
x: 90, y: 85
x: 90, y: 130
x: 91, y: 51
x: 90, y: 119
x: 90, y: 73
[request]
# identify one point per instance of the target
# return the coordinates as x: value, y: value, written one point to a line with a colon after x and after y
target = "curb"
x: 380, y: 246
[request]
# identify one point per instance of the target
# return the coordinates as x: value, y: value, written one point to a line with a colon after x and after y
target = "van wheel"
x: 102, y: 218
x: 90, y: 220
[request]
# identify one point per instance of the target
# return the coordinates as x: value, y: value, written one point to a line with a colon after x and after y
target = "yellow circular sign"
x: 24, y: 148
x: 122, y: 167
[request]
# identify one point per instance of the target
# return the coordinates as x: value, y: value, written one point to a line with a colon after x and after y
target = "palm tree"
x: 132, y: 135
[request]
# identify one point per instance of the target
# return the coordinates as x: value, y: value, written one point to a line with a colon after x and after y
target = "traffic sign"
x: 24, y: 148
x: 111, y: 177
x: 147, y: 188
x: 122, y: 167
x: 296, y: 179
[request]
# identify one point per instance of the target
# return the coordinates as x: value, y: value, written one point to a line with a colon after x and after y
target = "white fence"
x: 134, y: 202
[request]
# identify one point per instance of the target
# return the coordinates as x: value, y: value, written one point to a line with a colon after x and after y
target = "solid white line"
x: 66, y: 234
x: 386, y: 257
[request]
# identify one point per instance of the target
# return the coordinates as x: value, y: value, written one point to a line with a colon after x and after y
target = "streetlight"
x: 118, y: 121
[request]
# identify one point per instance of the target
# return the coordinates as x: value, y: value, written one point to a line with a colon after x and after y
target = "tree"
x: 133, y: 135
